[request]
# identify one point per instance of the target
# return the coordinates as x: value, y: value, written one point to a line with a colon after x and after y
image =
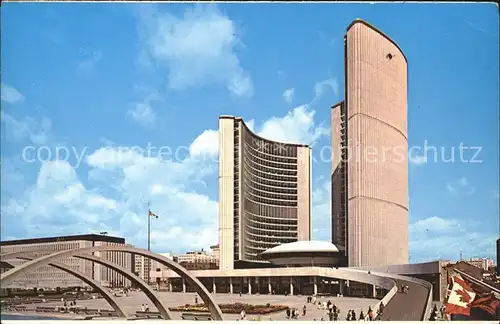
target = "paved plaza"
x: 133, y: 301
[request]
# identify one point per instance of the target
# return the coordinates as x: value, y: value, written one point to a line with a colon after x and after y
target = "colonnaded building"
x: 370, y: 201
x: 264, y: 193
x: 50, y: 277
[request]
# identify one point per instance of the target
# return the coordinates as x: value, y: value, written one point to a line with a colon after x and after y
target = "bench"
x: 196, y: 316
x: 148, y: 315
x: 45, y: 309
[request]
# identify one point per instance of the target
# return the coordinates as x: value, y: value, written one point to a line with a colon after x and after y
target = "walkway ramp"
x: 409, y: 306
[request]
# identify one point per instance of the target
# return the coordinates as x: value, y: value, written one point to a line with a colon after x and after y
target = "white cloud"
x: 198, y: 49
x: 460, y: 186
x: 417, y: 159
x: 11, y: 95
x: 437, y: 238
x: 296, y: 127
x: 88, y: 64
x: 288, y: 95
x: 35, y: 130
x: 321, y: 211
x: 143, y: 112
x: 321, y: 87
x: 205, y: 144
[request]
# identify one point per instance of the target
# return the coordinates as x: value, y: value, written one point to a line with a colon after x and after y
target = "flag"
x: 486, y: 302
x: 151, y: 214
x: 460, y: 298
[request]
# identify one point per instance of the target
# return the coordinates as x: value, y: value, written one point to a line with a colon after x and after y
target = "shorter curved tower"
x: 264, y: 193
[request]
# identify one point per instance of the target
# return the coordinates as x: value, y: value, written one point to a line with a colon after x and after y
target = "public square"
x: 135, y: 299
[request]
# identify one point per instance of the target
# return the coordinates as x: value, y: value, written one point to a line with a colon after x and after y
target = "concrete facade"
x: 264, y: 193
x: 375, y: 172
x: 48, y: 277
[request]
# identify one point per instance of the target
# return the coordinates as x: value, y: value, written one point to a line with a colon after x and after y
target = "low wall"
x: 387, y: 298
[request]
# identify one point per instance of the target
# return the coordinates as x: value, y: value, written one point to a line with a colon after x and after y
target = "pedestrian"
x: 243, y: 314
x: 304, y: 310
x: 353, y: 315
x: 348, y: 317
x: 361, y: 316
x: 288, y: 313
x: 336, y: 316
x: 381, y: 309
x: 370, y: 313
x: 195, y: 299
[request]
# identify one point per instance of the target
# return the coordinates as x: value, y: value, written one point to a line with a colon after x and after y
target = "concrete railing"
x: 385, y: 300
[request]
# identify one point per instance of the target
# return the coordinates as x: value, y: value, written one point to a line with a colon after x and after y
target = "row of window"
x: 270, y: 184
x: 277, y: 180
x: 269, y: 195
x: 269, y: 212
x: 291, y: 174
x: 271, y: 161
x: 261, y: 187
x: 270, y: 236
x: 270, y: 201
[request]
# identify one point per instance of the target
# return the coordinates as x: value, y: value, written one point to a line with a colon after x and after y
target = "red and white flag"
x: 460, y: 298
x: 151, y: 214
x: 487, y: 302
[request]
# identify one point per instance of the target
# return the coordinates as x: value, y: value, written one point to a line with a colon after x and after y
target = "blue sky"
x: 104, y: 81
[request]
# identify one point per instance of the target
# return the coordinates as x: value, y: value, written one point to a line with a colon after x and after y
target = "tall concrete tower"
x: 370, y: 145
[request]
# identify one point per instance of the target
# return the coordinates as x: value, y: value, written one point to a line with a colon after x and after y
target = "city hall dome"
x: 304, y: 254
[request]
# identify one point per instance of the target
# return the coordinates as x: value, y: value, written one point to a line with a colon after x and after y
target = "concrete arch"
x: 89, y: 281
x: 126, y: 273
x: 13, y: 274
x: 132, y: 277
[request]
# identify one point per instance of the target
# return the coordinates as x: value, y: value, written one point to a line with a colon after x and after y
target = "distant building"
x: 498, y: 257
x: 197, y: 260
x: 264, y: 193
x: 156, y: 268
x: 142, y: 267
x: 216, y: 252
x: 50, y: 277
x: 482, y: 263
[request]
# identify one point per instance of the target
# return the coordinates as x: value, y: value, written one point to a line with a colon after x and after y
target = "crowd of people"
x: 333, y: 312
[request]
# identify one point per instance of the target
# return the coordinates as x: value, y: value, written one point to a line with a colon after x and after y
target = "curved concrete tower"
x: 374, y: 119
x: 264, y: 193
